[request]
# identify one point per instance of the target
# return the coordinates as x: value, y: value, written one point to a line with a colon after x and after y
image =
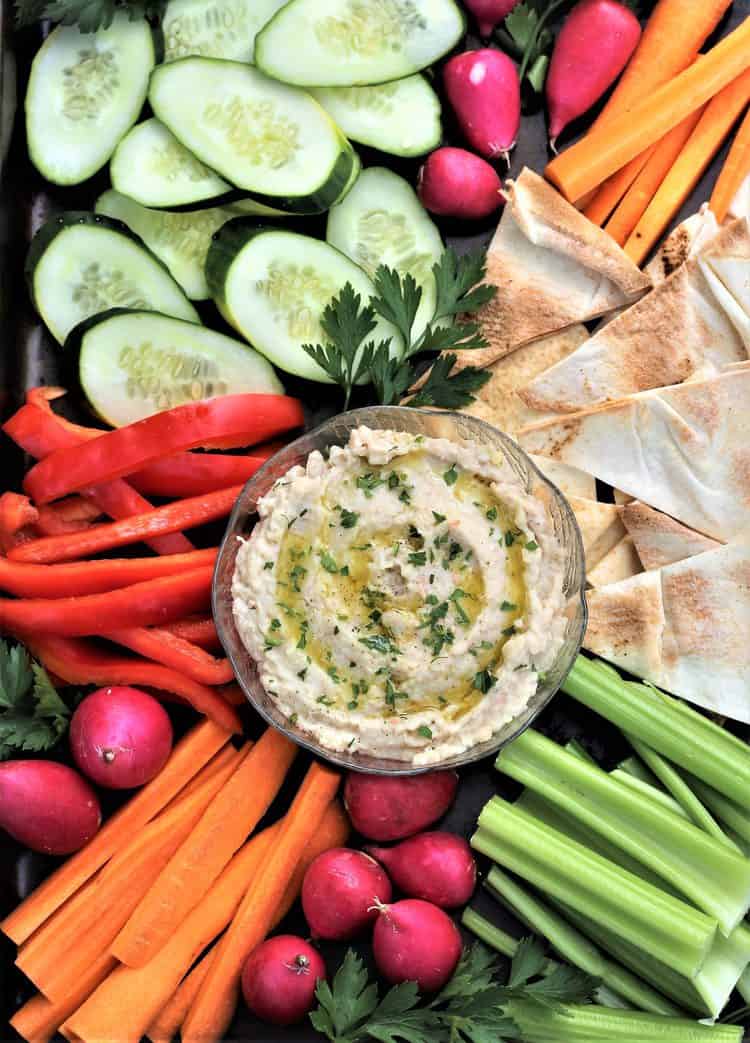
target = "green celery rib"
x: 645, y: 789
x: 743, y: 985
x: 487, y: 932
x: 666, y: 725
x: 668, y: 928
x: 575, y: 1024
x: 673, y: 781
x: 575, y: 747
x: 715, y: 878
x: 727, y: 811
x: 638, y: 770
x: 573, y: 946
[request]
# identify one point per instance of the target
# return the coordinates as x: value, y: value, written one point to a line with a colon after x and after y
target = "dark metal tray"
x: 29, y: 357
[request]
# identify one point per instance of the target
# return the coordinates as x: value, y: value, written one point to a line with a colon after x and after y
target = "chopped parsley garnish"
x: 380, y: 643
x: 450, y: 477
x: 348, y: 518
x: 267, y: 566
x: 368, y: 483
x: 344, y: 570
x: 325, y: 700
x: 417, y: 557
x: 294, y: 718
x: 461, y: 614
x: 333, y: 674
x: 297, y: 575
x: 372, y: 598
x: 391, y: 695
x: 424, y: 731
x: 304, y: 627
x: 439, y: 518
x: 271, y: 642
x: 405, y: 496
x: 275, y: 624
x: 511, y: 536
x: 509, y: 631
x: 483, y: 681
x: 532, y: 545
x: 361, y: 546
x: 508, y: 606
x: 393, y: 480
x: 302, y: 674
x: 352, y: 705
x: 328, y: 562
x: 491, y: 514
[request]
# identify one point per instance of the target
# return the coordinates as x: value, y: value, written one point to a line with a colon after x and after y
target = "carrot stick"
x: 175, y: 652
x: 608, y: 148
x: 62, y: 949
x: 78, y: 661
x: 227, y: 822
x: 673, y: 35
x: 39, y: 1018
x: 79, y: 578
x: 644, y: 188
x: 702, y: 145
x: 183, y: 514
x: 199, y: 631
x: 214, y: 1007
x: 127, y: 1002
x: 186, y: 760
x: 333, y: 832
x: 225, y: 755
x: 733, y: 173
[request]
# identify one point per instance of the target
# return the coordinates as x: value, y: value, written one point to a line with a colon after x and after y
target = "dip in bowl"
x: 400, y: 589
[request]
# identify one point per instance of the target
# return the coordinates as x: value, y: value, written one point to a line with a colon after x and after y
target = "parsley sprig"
x: 470, y: 1009
x: 349, y: 357
x: 88, y: 15
x: 32, y: 715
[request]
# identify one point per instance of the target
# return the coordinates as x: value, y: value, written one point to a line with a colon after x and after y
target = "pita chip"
x: 621, y: 497
x: 684, y: 450
x: 552, y: 268
x: 686, y: 240
x: 683, y: 627
x: 659, y: 539
x: 569, y: 480
x: 601, y: 528
x: 692, y: 325
x: 620, y: 563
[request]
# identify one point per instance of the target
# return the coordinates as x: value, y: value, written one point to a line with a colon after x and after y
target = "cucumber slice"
x: 401, y: 117
x: 85, y: 90
x: 249, y: 206
x: 272, y: 286
x: 219, y: 29
x: 80, y: 264
x: 347, y: 43
x: 135, y: 363
x: 180, y: 240
x: 269, y: 139
x: 153, y: 168
x: 381, y: 221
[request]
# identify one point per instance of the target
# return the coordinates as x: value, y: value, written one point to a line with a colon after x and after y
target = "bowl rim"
x: 341, y: 759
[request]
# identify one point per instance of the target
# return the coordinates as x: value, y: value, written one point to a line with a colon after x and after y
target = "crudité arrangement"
x: 403, y: 595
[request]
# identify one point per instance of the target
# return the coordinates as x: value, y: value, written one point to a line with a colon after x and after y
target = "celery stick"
x: 638, y: 770
x: 651, y: 792
x: 668, y: 928
x: 575, y: 747
x: 715, y: 878
x: 673, y: 781
x: 727, y: 811
x: 743, y: 985
x: 573, y: 946
x: 491, y: 935
x: 574, y: 1023
x: 666, y: 725
x: 605, y: 997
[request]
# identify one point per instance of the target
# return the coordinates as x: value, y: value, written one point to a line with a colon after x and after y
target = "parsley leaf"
x: 348, y: 518
x: 526, y: 31
x: 483, y: 681
x: 88, y: 15
x: 346, y: 324
x: 33, y: 717
x: 398, y: 299
x: 446, y: 391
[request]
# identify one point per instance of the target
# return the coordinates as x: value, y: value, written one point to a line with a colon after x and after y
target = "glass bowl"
x: 431, y: 424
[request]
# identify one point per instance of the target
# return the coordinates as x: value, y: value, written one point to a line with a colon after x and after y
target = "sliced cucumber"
x: 401, y: 117
x: 272, y: 286
x: 80, y: 264
x: 153, y: 168
x: 346, y: 43
x: 381, y: 221
x: 217, y: 29
x: 269, y: 139
x: 180, y: 240
x: 248, y: 206
x: 135, y: 363
x: 85, y: 90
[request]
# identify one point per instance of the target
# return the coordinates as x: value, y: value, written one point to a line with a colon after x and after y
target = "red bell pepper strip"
x: 165, y: 648
x: 142, y: 604
x: 234, y: 695
x: 39, y: 431
x: 232, y: 419
x: 191, y: 474
x: 78, y: 661
x: 182, y: 514
x: 95, y: 577
x: 17, y: 513
x: 198, y: 631
x: 70, y: 515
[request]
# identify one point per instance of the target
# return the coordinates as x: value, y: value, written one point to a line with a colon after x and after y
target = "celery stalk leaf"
x: 527, y: 962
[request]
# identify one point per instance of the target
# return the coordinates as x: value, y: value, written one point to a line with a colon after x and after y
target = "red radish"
x: 340, y: 892
x: 593, y: 47
x: 416, y: 941
x: 279, y: 979
x: 456, y: 183
x: 47, y: 806
x: 384, y: 807
x: 438, y: 867
x: 120, y: 737
x: 489, y: 12
x: 485, y: 92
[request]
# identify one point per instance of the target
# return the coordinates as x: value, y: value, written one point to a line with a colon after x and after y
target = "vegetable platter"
x: 31, y: 357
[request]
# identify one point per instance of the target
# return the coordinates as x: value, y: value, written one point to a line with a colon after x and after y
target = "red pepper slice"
x: 16, y: 514
x: 95, y: 577
x: 198, y: 631
x: 142, y: 604
x: 175, y: 652
x: 232, y: 420
x: 68, y: 515
x: 78, y: 661
x: 182, y: 514
x: 191, y: 474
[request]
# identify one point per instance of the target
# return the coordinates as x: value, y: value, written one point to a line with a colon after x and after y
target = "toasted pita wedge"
x: 691, y: 326
x: 621, y: 497
x: 684, y: 450
x: 659, y: 539
x: 552, y: 268
x: 620, y: 563
x: 601, y: 528
x: 569, y: 480
x: 683, y: 627
x: 686, y: 240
